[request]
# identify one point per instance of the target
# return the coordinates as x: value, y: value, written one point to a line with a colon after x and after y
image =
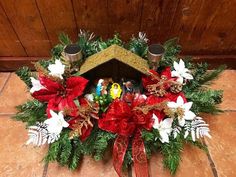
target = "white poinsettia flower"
x: 181, y: 72
x: 36, y: 85
x: 179, y: 105
x: 56, y: 69
x: 164, y: 128
x: 56, y: 123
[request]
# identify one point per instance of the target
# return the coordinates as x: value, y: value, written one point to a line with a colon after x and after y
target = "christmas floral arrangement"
x: 157, y: 113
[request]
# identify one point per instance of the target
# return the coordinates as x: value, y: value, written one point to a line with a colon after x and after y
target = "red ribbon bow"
x: 126, y: 121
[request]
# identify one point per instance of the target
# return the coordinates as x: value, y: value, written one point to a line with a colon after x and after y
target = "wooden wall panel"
x: 92, y: 15
x: 58, y: 17
x: 27, y: 23
x: 124, y: 17
x: 9, y: 42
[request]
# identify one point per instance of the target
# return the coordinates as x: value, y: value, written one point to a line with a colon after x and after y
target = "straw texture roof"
x: 118, y: 53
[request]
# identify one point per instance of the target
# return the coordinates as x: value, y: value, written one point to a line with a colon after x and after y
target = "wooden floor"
x: 21, y: 161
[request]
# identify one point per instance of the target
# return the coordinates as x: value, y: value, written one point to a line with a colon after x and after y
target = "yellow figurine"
x: 115, y: 90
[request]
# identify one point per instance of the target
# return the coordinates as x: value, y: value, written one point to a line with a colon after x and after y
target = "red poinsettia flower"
x: 60, y: 97
x: 124, y: 119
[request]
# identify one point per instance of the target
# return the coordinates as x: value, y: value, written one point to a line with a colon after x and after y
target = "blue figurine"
x: 99, y: 87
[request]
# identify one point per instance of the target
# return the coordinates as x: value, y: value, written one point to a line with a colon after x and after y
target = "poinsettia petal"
x: 44, y: 95
x: 189, y: 115
x: 172, y: 104
x: 156, y: 123
x: 187, y: 106
x: 181, y: 65
x: 51, y: 85
x: 176, y: 66
x: 187, y: 76
x: 164, y: 137
x: 181, y: 121
x: 75, y: 86
x: 148, y: 80
x: 167, y: 123
x: 180, y: 80
x: 175, y: 74
x: 167, y: 72
x: 53, y: 105
x: 85, y: 133
x: 68, y: 106
x: 180, y: 101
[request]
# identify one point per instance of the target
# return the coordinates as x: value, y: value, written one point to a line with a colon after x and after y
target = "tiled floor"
x: 19, y: 160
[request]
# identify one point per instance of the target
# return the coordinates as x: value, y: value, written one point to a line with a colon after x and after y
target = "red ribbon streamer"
x: 119, y: 150
x: 139, y: 156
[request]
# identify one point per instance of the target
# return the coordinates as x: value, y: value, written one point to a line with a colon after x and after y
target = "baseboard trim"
x: 13, y: 63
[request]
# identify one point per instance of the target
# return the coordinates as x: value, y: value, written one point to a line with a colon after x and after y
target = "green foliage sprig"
x: 31, y: 112
x: 24, y: 74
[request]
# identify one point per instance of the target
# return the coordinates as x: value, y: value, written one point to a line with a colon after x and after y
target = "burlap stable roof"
x: 117, y: 53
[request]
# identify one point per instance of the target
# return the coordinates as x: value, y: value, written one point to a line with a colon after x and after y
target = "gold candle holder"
x: 73, y: 53
x: 155, y: 52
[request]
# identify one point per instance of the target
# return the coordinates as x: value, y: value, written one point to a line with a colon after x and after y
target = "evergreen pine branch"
x: 45, y: 63
x: 211, y: 75
x: 172, y: 48
x: 60, y: 150
x: 103, y: 140
x: 205, y: 100
x: 31, y: 112
x: 128, y: 160
x: 138, y: 46
x: 202, y: 76
x: 76, y: 154
x: 171, y: 152
x: 24, y: 73
x: 115, y: 40
x: 151, y: 141
x: 64, y: 39
x: 88, y: 144
x: 66, y: 148
x: 57, y: 50
x: 53, y: 151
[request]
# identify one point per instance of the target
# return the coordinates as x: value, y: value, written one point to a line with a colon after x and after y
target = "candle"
x: 155, y: 52
x: 73, y: 53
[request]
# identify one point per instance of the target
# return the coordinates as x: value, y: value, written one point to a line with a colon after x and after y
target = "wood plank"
x: 92, y: 15
x: 157, y: 17
x: 58, y: 17
x: 204, y: 26
x: 124, y: 17
x: 9, y: 42
x: 13, y: 63
x: 25, y: 18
